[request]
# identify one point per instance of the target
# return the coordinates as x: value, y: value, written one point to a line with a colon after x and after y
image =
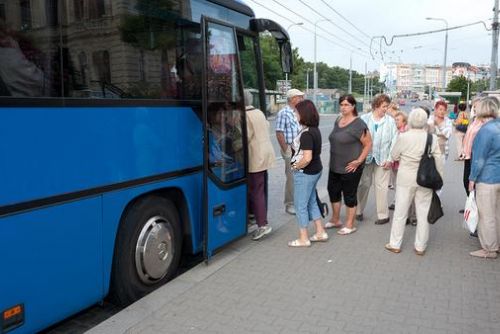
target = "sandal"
x: 319, y: 237
x: 298, y: 243
x: 332, y: 225
x: 346, y: 230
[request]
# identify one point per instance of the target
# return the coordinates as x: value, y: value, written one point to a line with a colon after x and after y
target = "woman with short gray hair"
x: 408, y: 150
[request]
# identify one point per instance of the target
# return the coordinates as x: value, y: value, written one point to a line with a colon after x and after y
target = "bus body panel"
x: 62, y: 246
x: 225, y: 225
x: 124, y: 144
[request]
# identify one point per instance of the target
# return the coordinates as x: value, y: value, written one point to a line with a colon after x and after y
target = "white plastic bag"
x: 470, y: 212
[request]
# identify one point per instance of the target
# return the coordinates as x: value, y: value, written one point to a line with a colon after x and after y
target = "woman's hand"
x: 386, y: 165
x: 353, y: 166
x: 472, y: 185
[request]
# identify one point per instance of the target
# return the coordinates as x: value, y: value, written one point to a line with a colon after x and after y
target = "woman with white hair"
x: 408, y: 150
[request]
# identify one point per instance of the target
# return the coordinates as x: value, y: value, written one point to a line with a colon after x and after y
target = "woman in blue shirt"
x: 485, y: 178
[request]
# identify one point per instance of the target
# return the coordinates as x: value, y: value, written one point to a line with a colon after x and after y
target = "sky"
x: 338, y: 39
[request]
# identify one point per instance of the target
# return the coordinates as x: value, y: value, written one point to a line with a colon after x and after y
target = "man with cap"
x: 287, y: 128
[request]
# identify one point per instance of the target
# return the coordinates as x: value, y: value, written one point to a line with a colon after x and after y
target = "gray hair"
x: 248, y: 97
x: 487, y: 107
x: 417, y: 118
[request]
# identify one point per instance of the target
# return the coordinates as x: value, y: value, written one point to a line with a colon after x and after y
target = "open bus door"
x: 225, y: 188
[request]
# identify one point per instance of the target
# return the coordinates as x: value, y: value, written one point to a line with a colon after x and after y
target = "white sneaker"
x: 261, y: 231
x: 290, y: 209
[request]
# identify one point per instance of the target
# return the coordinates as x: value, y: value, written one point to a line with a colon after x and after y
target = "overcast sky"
x: 371, y: 18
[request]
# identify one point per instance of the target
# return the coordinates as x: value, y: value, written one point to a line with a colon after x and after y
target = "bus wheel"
x: 147, y: 250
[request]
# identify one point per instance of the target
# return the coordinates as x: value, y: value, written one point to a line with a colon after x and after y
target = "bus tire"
x: 147, y: 250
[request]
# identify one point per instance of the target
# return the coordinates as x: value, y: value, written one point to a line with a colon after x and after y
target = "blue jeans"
x: 304, y: 198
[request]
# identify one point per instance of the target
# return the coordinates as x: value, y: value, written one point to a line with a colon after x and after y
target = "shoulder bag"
x: 427, y: 174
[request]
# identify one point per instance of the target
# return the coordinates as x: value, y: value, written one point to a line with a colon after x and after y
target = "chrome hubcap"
x: 153, y: 252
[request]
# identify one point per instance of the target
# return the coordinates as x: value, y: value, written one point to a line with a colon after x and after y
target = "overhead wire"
x: 333, y: 23
x: 364, y: 55
x: 384, y: 39
x: 311, y: 22
x: 342, y: 16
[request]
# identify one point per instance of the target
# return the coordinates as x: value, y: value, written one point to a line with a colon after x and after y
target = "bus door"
x: 225, y: 186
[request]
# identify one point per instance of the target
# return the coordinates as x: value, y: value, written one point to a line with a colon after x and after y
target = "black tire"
x: 136, y: 272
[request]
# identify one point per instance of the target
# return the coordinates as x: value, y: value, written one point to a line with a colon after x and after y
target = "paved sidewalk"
x: 349, y: 284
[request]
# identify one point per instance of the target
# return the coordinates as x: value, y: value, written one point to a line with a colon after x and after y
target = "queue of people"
x: 365, y: 149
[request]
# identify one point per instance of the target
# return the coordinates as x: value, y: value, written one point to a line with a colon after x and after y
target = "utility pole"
x: 494, y: 49
x: 349, y: 89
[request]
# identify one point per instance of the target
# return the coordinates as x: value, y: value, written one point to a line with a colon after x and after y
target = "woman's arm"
x: 306, y: 159
x: 437, y: 155
x: 480, y: 151
x: 366, y: 141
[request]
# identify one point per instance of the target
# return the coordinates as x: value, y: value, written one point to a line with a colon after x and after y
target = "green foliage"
x: 328, y: 77
x: 458, y: 84
x: 480, y: 85
x: 271, y: 61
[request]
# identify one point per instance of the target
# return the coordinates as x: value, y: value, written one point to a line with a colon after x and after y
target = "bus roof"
x: 236, y: 5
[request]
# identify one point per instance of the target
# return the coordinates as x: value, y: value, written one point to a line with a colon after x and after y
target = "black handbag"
x: 427, y: 174
x: 323, y: 207
x: 435, y: 209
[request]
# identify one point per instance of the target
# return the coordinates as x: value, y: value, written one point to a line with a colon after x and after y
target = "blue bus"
x: 122, y: 145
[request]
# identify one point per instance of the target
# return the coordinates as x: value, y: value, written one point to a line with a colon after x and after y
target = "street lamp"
x: 443, y: 75
x: 315, y: 73
x: 291, y: 25
x: 295, y: 24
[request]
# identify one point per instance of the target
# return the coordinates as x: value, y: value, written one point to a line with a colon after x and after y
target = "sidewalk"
x: 349, y: 284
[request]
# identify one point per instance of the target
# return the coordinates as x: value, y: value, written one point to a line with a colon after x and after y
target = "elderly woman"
x: 485, y: 178
x: 485, y: 111
x: 378, y: 164
x: 408, y: 151
x: 350, y: 143
x: 306, y: 169
x: 441, y: 126
x: 260, y: 159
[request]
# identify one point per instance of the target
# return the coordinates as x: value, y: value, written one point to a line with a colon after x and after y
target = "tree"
x: 480, y: 85
x: 271, y: 61
x: 458, y: 84
x: 328, y: 77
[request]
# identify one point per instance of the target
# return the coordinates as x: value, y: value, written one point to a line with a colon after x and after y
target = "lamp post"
x: 291, y: 25
x: 307, y: 81
x: 315, y: 73
x: 443, y: 75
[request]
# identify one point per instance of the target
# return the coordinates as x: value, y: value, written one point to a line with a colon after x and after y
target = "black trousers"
x: 344, y: 185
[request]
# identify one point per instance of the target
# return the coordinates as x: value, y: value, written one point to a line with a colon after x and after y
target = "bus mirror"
x: 286, y: 57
